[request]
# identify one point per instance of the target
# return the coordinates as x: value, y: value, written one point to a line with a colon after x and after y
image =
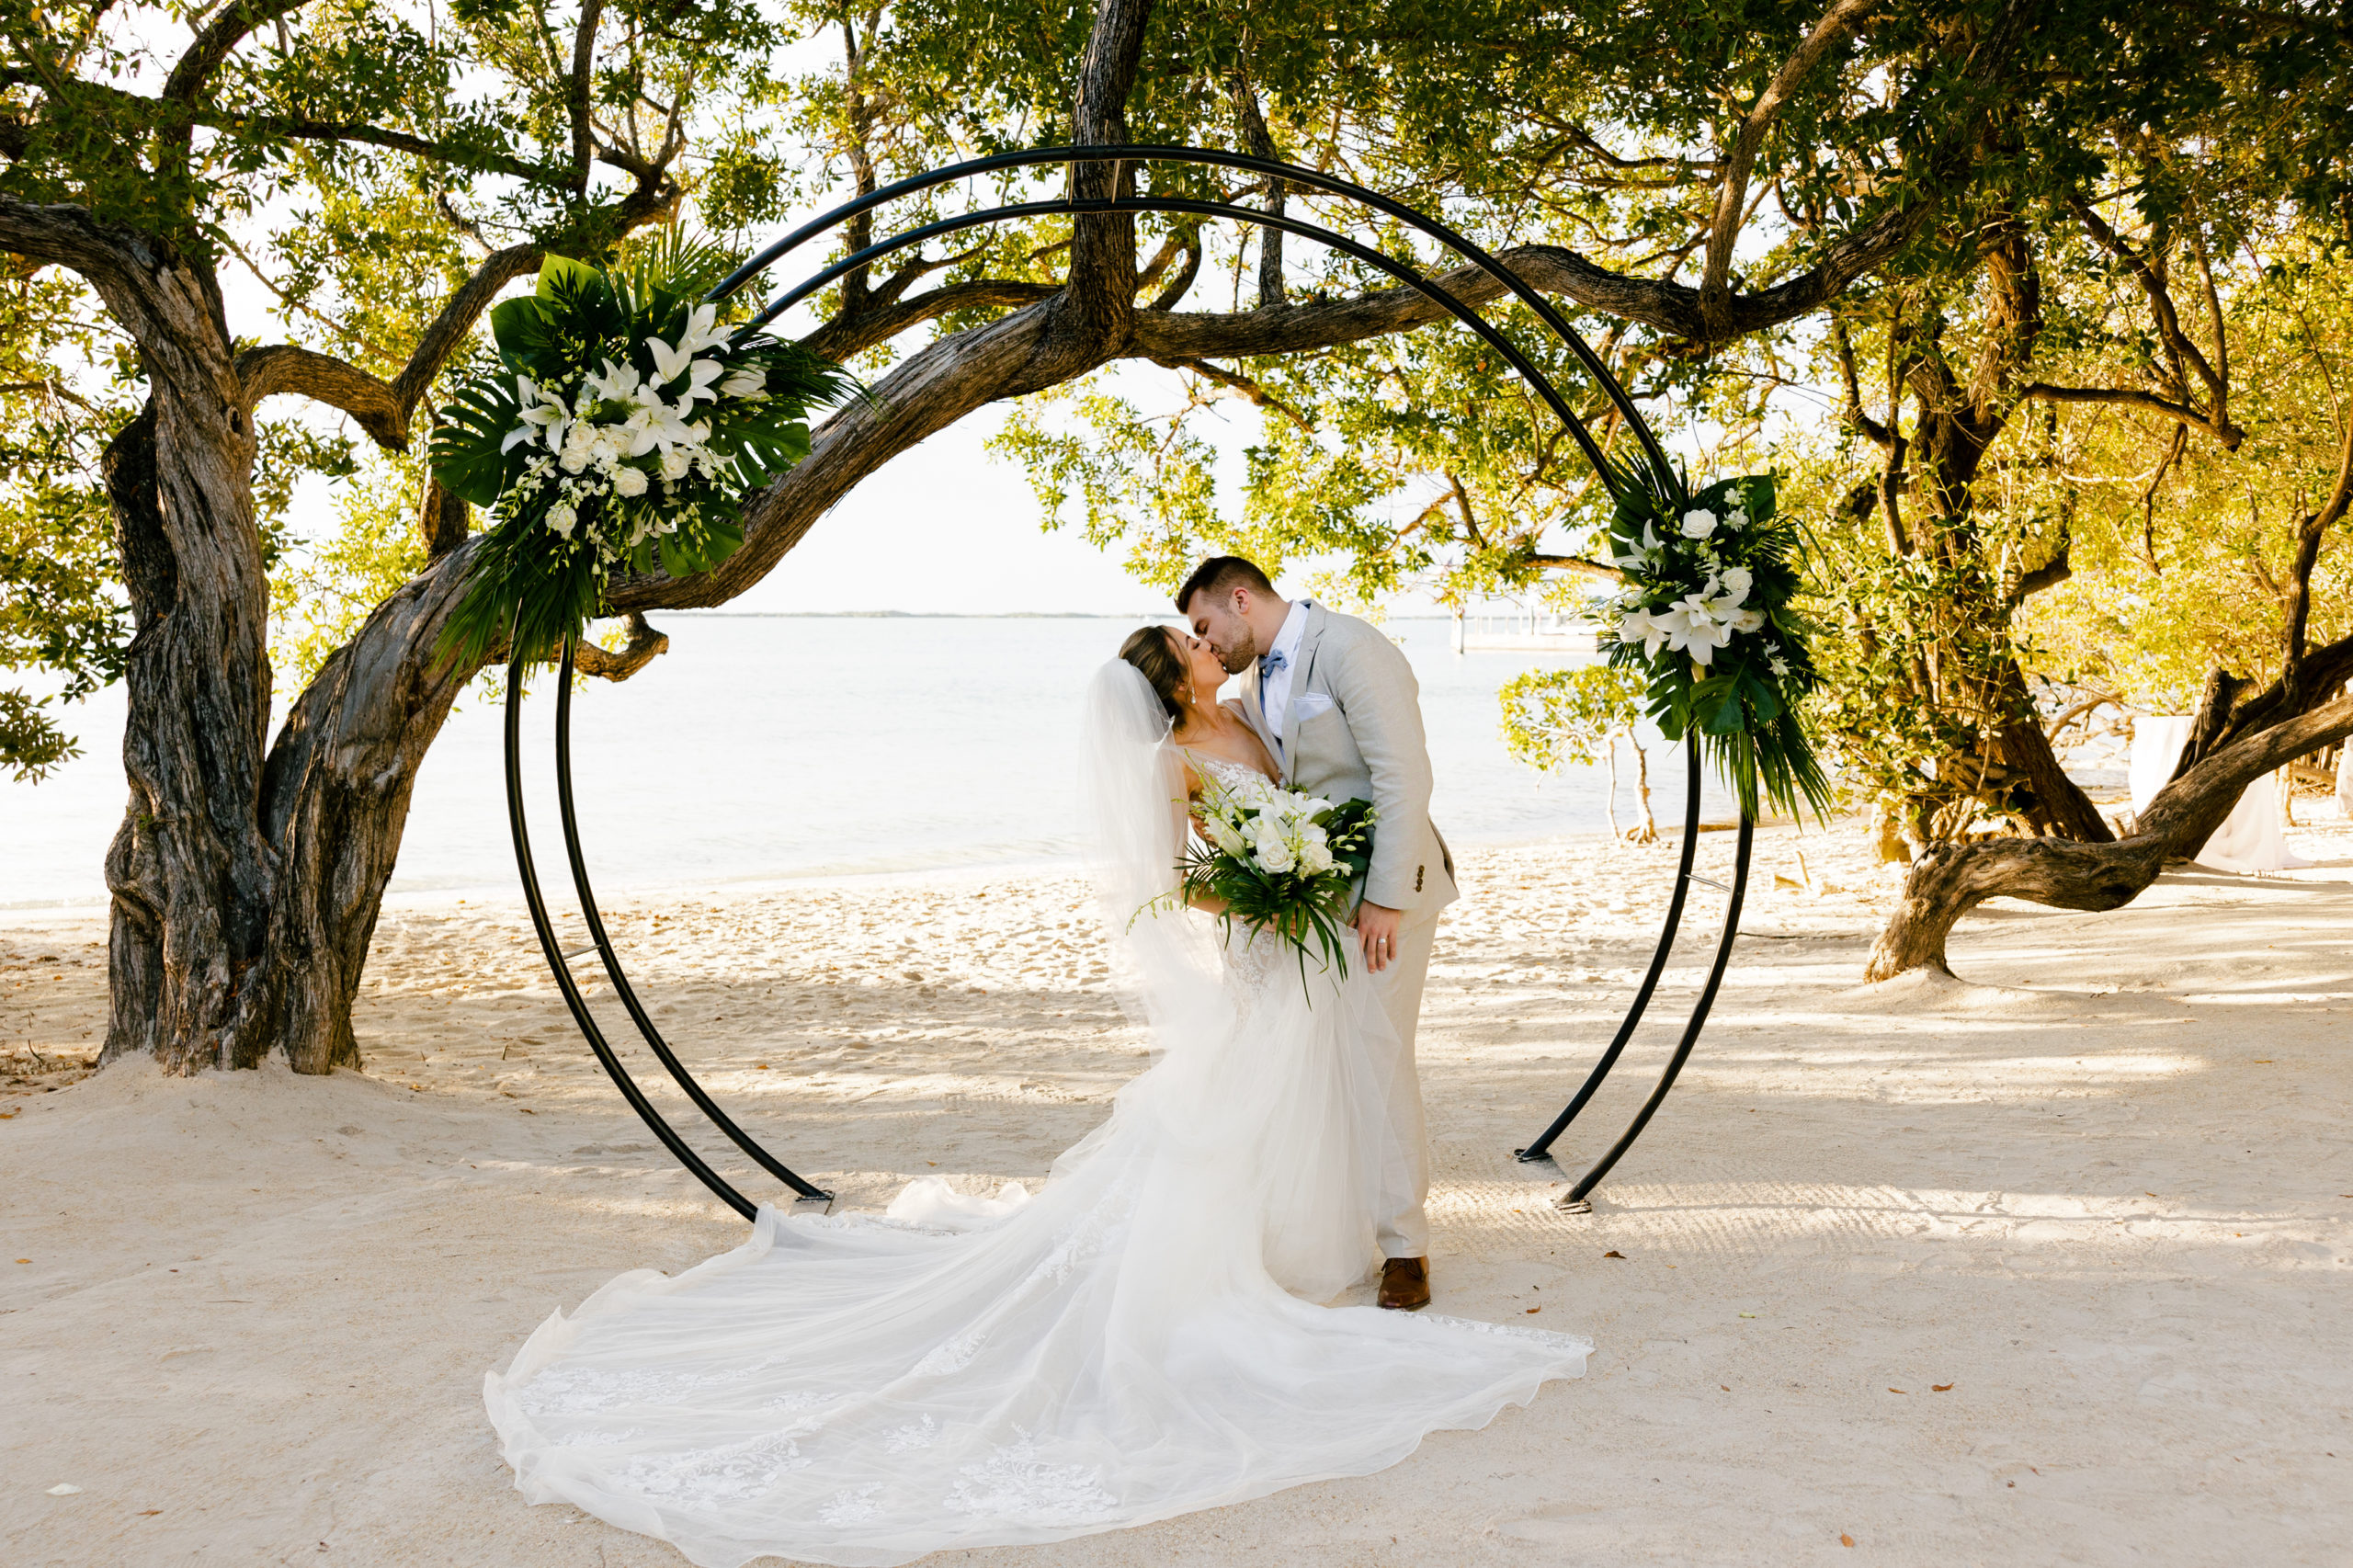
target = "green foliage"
x: 2184, y: 566
x: 322, y: 591
x: 59, y: 609
x: 1553, y: 719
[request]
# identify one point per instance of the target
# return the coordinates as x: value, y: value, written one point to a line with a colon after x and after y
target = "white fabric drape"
x: 1136, y: 1341
x: 2249, y: 838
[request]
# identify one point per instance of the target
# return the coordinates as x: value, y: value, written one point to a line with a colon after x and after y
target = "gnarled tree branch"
x: 1731, y: 195
x: 285, y: 369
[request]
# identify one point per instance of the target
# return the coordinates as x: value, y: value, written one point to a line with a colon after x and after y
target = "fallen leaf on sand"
x: 149, y: 1512
x: 1536, y: 1309
x: 1940, y: 1388
x: 1846, y: 1540
x: 1613, y: 1253
x: 64, y: 1489
x: 1895, y: 1390
x: 1749, y: 1315
x: 1726, y: 1386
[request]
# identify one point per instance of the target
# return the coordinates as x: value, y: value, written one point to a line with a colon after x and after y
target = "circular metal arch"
x: 1613, y: 476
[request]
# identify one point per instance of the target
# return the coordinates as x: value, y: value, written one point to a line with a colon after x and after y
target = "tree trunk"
x: 2060, y: 806
x: 1609, y: 796
x: 1643, y: 790
x: 247, y: 888
x: 335, y: 801
x: 189, y: 869
x: 1953, y: 879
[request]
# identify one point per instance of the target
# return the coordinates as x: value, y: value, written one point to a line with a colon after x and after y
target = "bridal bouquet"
x: 1705, y: 616
x: 1280, y: 862
x: 625, y: 428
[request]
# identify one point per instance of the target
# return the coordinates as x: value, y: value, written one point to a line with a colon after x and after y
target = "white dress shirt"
x: 1274, y: 685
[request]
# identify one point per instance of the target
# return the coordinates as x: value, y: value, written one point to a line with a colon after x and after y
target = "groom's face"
x: 1222, y: 623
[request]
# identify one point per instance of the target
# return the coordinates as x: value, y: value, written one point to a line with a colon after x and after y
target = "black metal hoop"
x: 1412, y: 277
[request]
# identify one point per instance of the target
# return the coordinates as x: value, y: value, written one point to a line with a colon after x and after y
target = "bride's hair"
x: 1153, y: 650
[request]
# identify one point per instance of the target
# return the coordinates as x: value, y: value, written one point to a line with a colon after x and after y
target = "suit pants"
x: 1404, y: 1230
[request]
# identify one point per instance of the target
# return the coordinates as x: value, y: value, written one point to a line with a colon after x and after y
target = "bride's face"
x: 1201, y: 664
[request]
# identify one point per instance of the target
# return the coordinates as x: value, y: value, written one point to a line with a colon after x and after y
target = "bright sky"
x: 945, y: 529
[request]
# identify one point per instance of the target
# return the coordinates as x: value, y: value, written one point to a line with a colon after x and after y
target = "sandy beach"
x: 2046, y: 1265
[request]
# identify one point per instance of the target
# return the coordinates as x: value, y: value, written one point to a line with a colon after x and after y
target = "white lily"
x: 615, y: 382
x: 747, y: 384
x: 1692, y: 628
x: 703, y: 331
x: 543, y: 416
x: 1650, y: 555
x: 1641, y: 626
x: 699, y: 381
x: 669, y: 363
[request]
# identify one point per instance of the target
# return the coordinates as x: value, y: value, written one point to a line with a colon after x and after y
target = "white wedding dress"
x: 1140, y: 1339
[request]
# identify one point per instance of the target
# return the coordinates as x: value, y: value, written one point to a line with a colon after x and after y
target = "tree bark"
x: 333, y: 802
x: 1953, y: 879
x: 189, y: 869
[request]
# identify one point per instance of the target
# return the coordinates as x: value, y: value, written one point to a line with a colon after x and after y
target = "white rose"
x: 630, y: 482
x: 674, y: 463
x: 1274, y: 856
x: 1315, y: 858
x: 1699, y: 523
x: 561, y: 518
x: 575, y: 459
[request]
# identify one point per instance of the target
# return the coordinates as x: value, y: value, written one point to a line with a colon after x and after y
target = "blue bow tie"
x: 1272, y: 661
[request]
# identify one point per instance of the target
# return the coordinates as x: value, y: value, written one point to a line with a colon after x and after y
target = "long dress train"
x: 1123, y: 1346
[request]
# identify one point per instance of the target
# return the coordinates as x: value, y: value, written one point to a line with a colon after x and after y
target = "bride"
x: 1138, y: 1340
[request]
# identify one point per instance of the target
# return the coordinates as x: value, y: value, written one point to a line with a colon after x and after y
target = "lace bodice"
x: 1237, y: 776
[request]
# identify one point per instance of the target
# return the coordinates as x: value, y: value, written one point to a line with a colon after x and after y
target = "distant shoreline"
x: 946, y: 615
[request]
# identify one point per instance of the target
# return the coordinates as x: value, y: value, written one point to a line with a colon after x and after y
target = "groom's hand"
x: 1377, y: 931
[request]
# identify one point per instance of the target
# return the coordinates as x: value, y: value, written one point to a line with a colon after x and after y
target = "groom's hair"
x: 1221, y: 574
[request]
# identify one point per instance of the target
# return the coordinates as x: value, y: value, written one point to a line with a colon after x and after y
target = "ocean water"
x: 768, y: 748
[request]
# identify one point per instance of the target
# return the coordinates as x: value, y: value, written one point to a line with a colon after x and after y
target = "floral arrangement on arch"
x: 626, y: 428
x: 1705, y: 616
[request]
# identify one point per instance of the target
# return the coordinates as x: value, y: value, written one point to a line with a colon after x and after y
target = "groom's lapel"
x: 1310, y: 641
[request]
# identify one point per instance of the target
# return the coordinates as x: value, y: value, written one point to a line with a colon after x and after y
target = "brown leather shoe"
x: 1405, y: 1284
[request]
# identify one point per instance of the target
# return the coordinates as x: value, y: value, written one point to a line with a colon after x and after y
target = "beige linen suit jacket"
x: 1353, y: 731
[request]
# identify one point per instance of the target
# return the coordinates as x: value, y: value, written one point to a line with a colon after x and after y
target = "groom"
x: 1337, y: 707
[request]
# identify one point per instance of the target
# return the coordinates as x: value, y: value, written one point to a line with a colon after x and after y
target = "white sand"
x: 2100, y: 1192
